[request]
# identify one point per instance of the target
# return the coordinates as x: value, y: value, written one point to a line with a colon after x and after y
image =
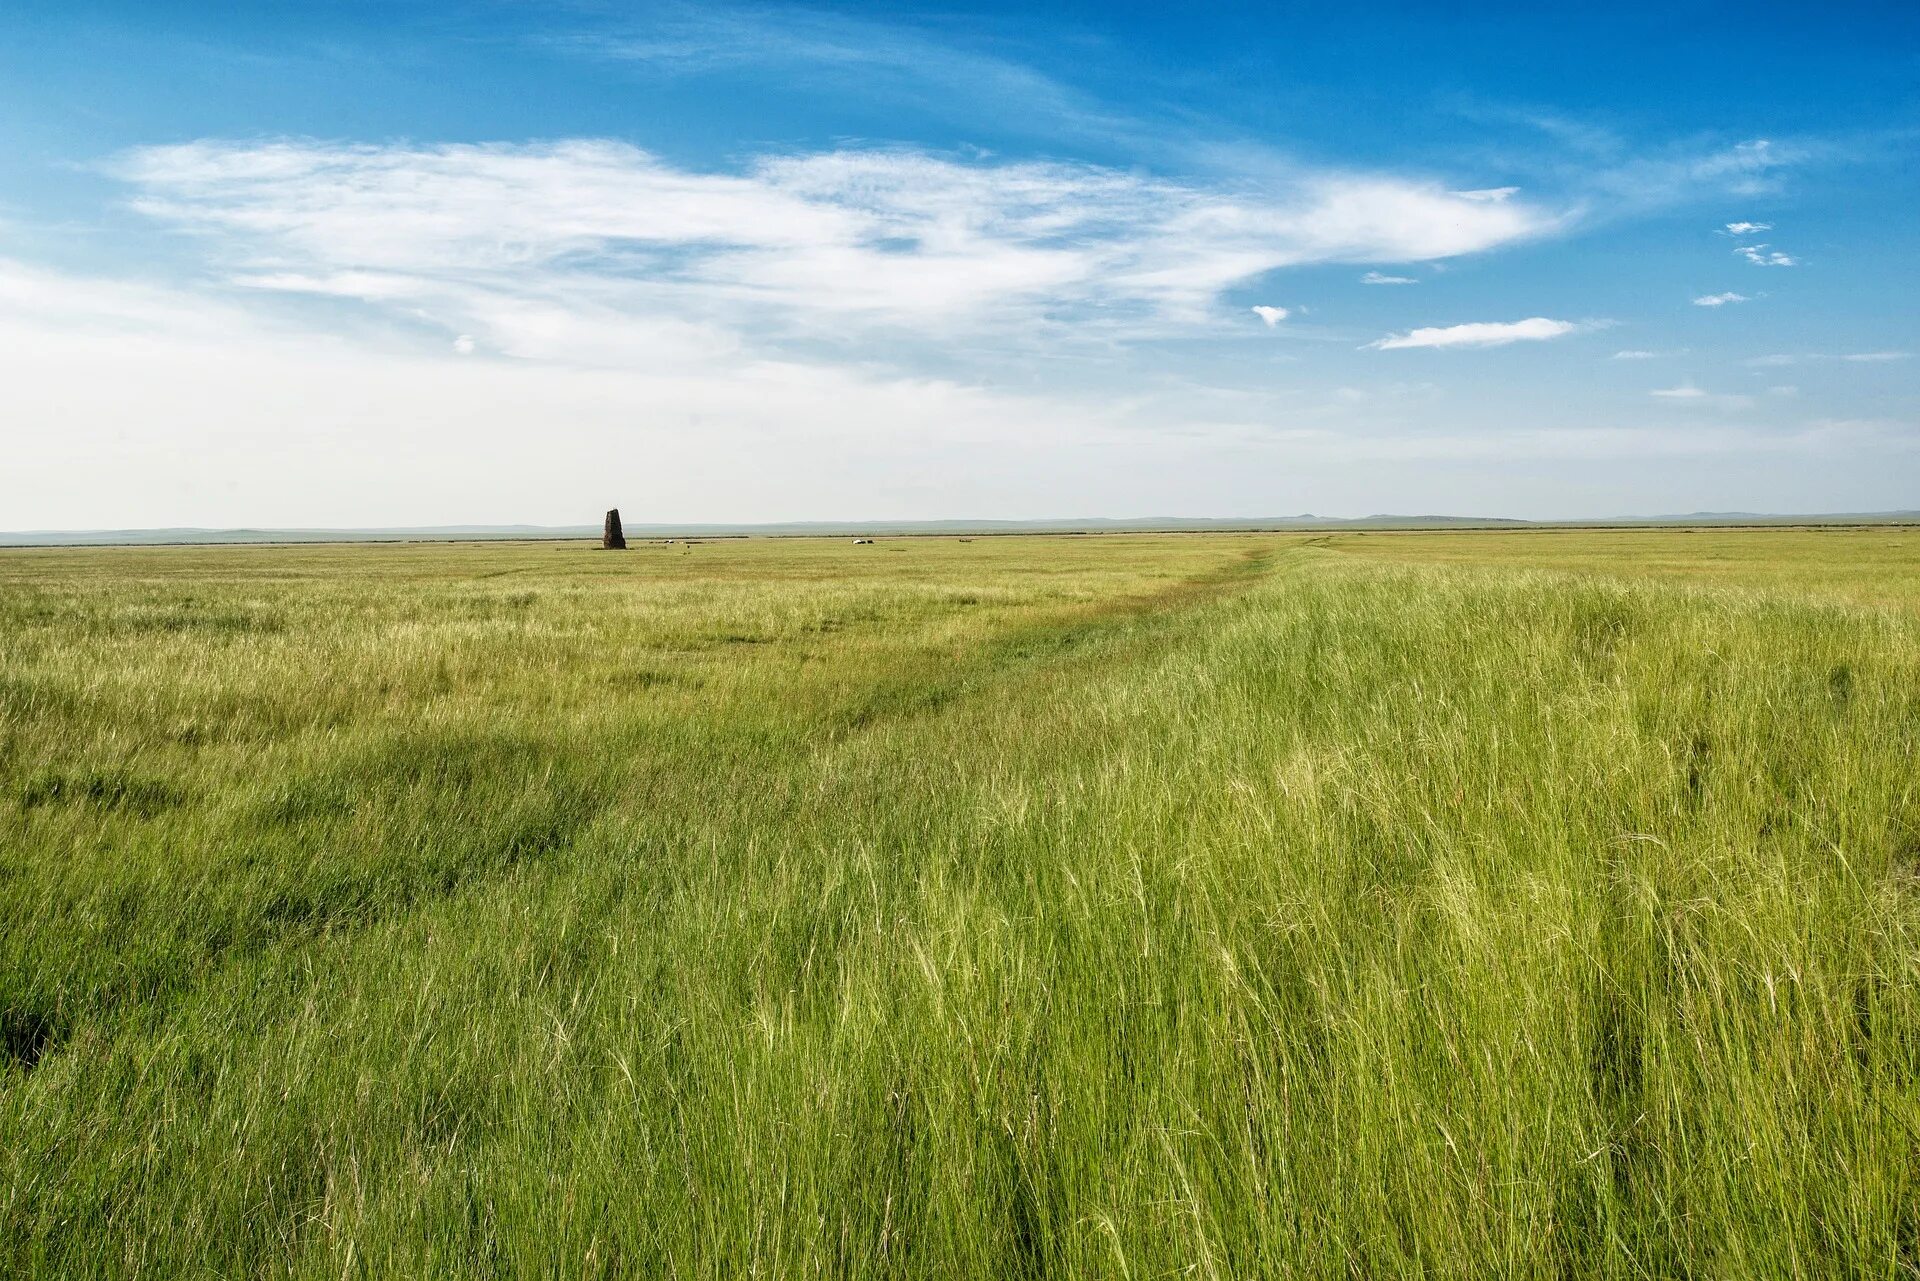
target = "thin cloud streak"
x: 1688, y: 394
x: 1781, y: 359
x: 1485, y: 334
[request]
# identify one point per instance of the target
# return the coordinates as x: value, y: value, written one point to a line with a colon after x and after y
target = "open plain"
x: 1367, y: 904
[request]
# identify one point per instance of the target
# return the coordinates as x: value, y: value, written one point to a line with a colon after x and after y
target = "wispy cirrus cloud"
x: 1682, y: 171
x: 931, y: 67
x: 1612, y: 174
x: 1745, y: 228
x: 1482, y: 334
x: 1271, y: 316
x: 815, y: 244
x: 1378, y: 278
x: 1719, y: 300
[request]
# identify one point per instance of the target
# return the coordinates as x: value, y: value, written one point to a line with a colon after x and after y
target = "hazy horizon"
x: 507, y: 530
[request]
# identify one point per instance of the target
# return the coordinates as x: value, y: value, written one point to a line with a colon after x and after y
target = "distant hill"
x: 793, y: 529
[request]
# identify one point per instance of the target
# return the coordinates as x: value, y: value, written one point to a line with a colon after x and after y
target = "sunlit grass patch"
x: 1118, y: 907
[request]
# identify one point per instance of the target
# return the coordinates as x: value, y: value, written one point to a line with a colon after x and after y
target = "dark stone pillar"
x: 611, y: 539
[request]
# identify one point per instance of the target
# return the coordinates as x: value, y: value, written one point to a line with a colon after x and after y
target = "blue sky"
x: 404, y: 264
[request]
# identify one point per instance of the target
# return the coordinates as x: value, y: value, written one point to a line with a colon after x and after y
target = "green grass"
x: 1367, y: 905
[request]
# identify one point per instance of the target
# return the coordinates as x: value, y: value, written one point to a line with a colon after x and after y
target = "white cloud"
x: 1876, y: 357
x: 1779, y: 360
x: 1635, y: 355
x: 1376, y: 278
x: 1688, y: 394
x: 1762, y: 256
x: 815, y: 246
x: 1271, y: 316
x: 1484, y: 334
x: 63, y: 304
x: 1718, y: 300
x: 464, y: 344
x: 1784, y: 389
x: 1745, y: 228
x: 1489, y: 195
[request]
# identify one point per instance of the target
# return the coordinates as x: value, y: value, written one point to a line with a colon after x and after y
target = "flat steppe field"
x: 1356, y: 905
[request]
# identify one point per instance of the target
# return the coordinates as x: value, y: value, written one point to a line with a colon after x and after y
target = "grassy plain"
x: 1223, y: 906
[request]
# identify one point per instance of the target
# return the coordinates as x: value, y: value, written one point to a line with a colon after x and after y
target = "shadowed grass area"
x: 1038, y: 907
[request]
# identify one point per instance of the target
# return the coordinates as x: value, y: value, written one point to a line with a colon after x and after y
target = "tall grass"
x: 1220, y: 907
